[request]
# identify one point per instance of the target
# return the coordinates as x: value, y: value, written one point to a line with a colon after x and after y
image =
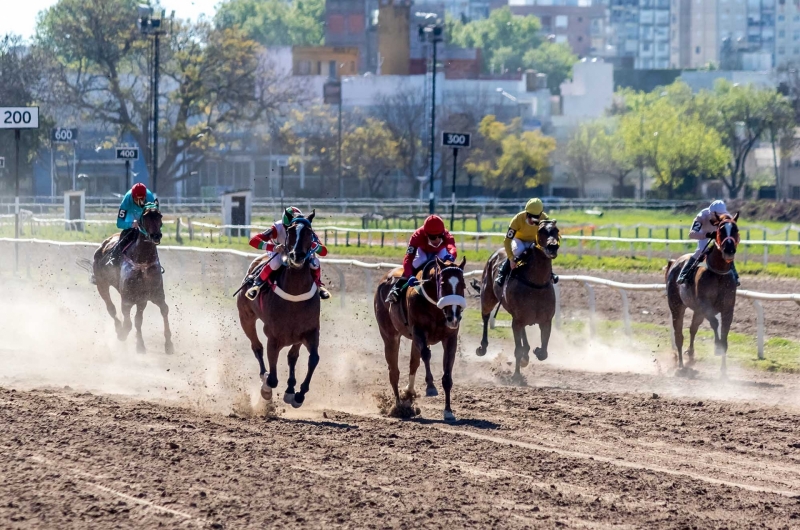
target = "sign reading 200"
x: 19, y: 117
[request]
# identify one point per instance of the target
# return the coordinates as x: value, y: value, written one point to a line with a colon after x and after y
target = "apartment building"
x: 787, y: 41
x: 639, y: 33
x: 579, y: 23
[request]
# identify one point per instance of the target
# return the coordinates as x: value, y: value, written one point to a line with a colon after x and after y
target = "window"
x: 562, y: 21
x: 781, y: 34
x: 796, y: 51
x: 796, y: 36
x: 781, y: 18
x: 561, y: 39
x: 580, y: 19
x: 580, y: 39
x: 304, y: 68
x: 697, y: 50
x: 332, y: 69
x: 781, y: 51
x: 795, y: 18
x: 355, y: 23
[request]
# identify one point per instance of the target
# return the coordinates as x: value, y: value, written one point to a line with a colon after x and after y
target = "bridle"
x: 306, y: 224
x: 147, y: 210
x: 447, y: 300
x: 720, y: 241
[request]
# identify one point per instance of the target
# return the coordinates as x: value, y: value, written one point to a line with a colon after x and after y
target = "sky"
x: 19, y: 16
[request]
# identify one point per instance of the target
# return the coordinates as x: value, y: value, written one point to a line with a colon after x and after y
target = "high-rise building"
x: 787, y: 42
x: 579, y: 23
x: 639, y: 33
x: 353, y: 24
x: 694, y: 41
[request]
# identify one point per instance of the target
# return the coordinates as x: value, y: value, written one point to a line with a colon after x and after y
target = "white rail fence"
x: 588, y: 282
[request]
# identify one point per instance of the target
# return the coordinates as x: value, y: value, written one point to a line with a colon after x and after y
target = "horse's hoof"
x: 431, y: 391
x: 297, y: 401
x: 481, y: 351
x: 266, y: 392
x: 449, y: 416
x: 288, y: 398
x: 523, y: 362
x: 169, y: 349
x: 140, y: 348
x: 540, y: 354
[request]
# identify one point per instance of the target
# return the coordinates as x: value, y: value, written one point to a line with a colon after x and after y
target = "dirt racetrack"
x: 97, y: 436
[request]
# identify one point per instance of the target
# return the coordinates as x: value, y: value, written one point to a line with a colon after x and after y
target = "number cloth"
x: 129, y: 211
x: 521, y: 230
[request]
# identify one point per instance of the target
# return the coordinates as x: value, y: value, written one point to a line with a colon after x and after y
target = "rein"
x: 442, y: 301
x: 276, y: 288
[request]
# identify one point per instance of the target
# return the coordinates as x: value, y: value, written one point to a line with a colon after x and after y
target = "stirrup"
x: 393, y: 296
x: 252, y: 293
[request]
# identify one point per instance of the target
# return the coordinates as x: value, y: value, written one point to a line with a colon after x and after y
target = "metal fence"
x: 220, y: 271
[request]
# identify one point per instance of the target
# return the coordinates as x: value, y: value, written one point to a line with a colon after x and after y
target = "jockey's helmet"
x: 433, y: 226
x: 289, y: 214
x: 534, y: 207
x: 718, y: 207
x: 139, y: 192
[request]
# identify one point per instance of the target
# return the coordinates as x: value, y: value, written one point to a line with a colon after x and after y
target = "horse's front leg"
x: 127, y: 325
x: 270, y: 379
x: 726, y: 321
x: 544, y: 328
x: 294, y: 354
x: 312, y: 345
x: 448, y: 360
x: 421, y: 342
x: 519, y: 331
x: 162, y: 305
x: 138, y: 321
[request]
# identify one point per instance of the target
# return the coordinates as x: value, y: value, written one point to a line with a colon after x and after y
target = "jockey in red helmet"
x: 429, y: 242
x: 272, y: 240
x: 130, y: 211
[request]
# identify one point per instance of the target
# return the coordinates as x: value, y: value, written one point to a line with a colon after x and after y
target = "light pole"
x: 151, y: 26
x: 433, y: 33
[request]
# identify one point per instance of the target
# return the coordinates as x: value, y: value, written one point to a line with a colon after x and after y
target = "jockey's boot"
x: 323, y: 292
x: 394, y: 294
x: 503, y: 274
x: 554, y: 277
x: 688, y: 267
x: 735, y: 274
x: 252, y: 292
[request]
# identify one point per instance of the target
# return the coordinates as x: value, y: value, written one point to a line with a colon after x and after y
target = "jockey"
x: 430, y: 241
x: 522, y: 234
x: 130, y: 211
x: 705, y: 227
x: 273, y: 241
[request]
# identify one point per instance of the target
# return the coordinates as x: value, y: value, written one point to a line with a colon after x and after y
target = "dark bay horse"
x: 137, y: 276
x: 710, y: 293
x: 527, y: 294
x: 426, y: 316
x: 289, y: 309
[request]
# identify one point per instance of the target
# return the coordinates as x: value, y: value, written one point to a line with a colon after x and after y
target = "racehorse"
x: 710, y: 292
x: 289, y: 307
x: 527, y: 294
x: 137, y: 276
x: 426, y: 315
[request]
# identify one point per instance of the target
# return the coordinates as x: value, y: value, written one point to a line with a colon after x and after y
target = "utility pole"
x: 433, y: 33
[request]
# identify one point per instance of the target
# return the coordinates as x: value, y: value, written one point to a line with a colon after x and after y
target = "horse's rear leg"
x: 294, y: 354
x: 677, y: 330
x: 721, y: 323
x: 391, y: 351
x: 247, y: 319
x: 488, y: 303
x: 127, y: 325
x: 421, y: 343
x: 448, y: 360
x: 138, y: 321
x: 162, y: 305
x: 544, y: 328
x: 697, y: 319
x: 519, y: 332
x: 312, y: 345
x: 103, y: 288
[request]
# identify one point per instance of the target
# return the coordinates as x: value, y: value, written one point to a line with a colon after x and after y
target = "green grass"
x: 780, y: 354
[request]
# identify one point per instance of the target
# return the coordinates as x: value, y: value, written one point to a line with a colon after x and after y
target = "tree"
x: 582, y: 154
x: 677, y: 148
x: 276, y: 22
x: 502, y: 37
x: 742, y: 115
x: 554, y: 60
x: 371, y: 152
x: 614, y: 157
x: 214, y: 80
x: 312, y: 130
x: 404, y: 116
x: 507, y: 158
x: 20, y: 78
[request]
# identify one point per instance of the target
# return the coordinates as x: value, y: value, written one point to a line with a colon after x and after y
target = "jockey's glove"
x: 412, y: 282
x: 711, y: 235
x: 449, y: 257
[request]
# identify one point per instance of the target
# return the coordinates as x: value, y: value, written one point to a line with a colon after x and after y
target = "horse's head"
x: 727, y: 236
x: 548, y: 238
x: 299, y: 239
x: 450, y: 289
x: 150, y: 223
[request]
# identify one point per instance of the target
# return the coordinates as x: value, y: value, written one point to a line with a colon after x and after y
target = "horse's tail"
x: 667, y: 268
x: 88, y: 266
x: 475, y: 284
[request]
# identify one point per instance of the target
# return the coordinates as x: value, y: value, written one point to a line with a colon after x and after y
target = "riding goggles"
x: 435, y: 239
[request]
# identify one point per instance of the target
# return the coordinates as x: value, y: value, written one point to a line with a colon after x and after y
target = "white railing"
x: 588, y: 282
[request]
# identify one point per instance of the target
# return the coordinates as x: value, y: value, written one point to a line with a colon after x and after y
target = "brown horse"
x: 527, y: 294
x: 710, y: 293
x: 137, y: 276
x: 427, y: 315
x: 289, y: 309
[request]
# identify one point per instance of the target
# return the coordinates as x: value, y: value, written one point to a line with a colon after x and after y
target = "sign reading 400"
x: 19, y: 117
x: 127, y: 153
x: 455, y: 140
